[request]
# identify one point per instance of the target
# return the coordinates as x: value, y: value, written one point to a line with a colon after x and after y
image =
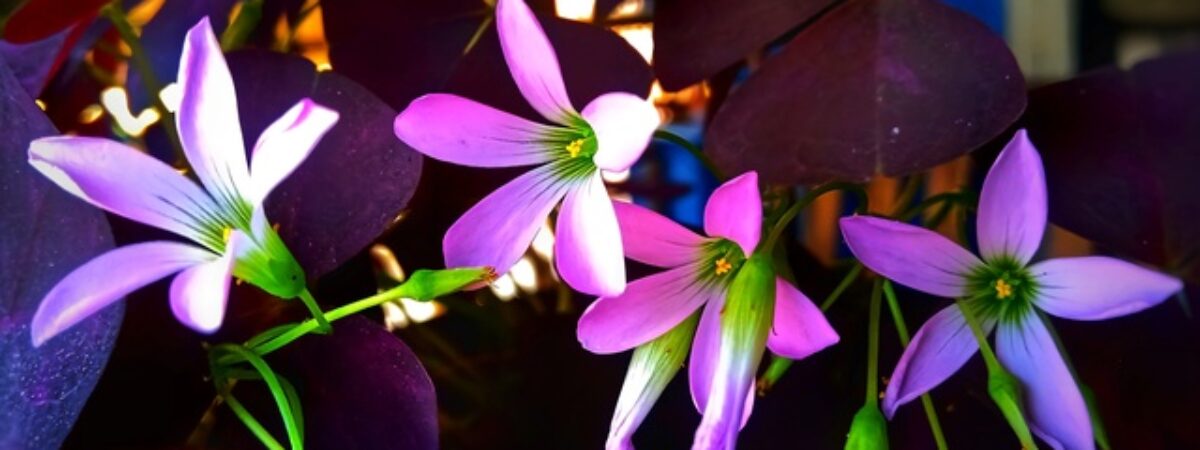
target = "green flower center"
x: 720, y: 259
x: 1003, y: 287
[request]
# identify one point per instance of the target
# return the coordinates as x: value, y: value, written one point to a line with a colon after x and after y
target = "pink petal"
x: 623, y: 124
x: 799, y: 328
x: 107, y: 278
x: 1012, y: 204
x: 497, y: 230
x: 910, y: 255
x: 285, y: 144
x: 532, y: 61
x: 734, y: 212
x: 457, y: 130
x: 98, y: 171
x: 706, y: 348
x: 648, y: 308
x: 198, y: 295
x: 942, y: 345
x: 652, y: 239
x: 1054, y: 406
x: 207, y: 119
x: 587, y: 249
x: 1098, y: 288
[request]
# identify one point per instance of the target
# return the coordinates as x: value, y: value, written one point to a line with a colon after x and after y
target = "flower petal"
x: 98, y: 171
x: 706, y: 347
x: 623, y: 124
x: 910, y: 255
x: 799, y: 328
x: 285, y: 144
x: 587, y: 248
x: 497, y: 230
x: 1012, y: 204
x: 208, y: 123
x: 734, y: 212
x: 1054, y: 405
x: 198, y: 295
x: 650, y: 238
x: 942, y: 345
x: 652, y: 367
x: 648, y: 308
x: 457, y: 130
x: 532, y: 61
x: 1098, y: 288
x: 105, y: 279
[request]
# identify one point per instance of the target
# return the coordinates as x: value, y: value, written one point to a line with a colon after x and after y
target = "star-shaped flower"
x: 1004, y: 291
x: 224, y: 218
x: 700, y: 276
x: 609, y: 134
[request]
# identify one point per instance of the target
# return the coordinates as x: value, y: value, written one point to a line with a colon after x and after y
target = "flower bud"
x: 868, y: 431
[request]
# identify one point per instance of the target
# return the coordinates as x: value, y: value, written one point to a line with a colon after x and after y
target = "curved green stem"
x: 283, y: 400
x: 323, y: 325
x: 842, y: 286
x: 873, y: 343
x: 691, y: 148
x: 985, y: 349
x: 809, y: 197
x: 253, y: 424
x: 931, y: 416
x: 116, y: 15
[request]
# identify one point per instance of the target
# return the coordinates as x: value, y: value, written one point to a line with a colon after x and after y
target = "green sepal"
x: 1006, y: 392
x: 750, y: 306
x: 868, y: 431
x: 269, y: 265
x: 426, y: 285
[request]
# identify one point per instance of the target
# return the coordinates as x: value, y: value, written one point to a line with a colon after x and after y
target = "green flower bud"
x: 1006, y: 392
x: 868, y: 431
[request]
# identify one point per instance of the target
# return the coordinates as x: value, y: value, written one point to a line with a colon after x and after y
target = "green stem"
x: 809, y: 197
x: 116, y: 15
x: 842, y: 286
x: 935, y: 424
x: 282, y: 399
x: 323, y: 325
x: 255, y: 427
x: 873, y: 344
x: 989, y: 357
x: 691, y: 148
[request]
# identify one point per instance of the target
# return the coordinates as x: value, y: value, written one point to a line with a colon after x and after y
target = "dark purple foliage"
x: 888, y: 87
x: 32, y: 63
x: 356, y: 181
x: 162, y: 38
x: 1121, y: 151
x: 695, y: 39
x: 361, y: 388
x: 44, y: 234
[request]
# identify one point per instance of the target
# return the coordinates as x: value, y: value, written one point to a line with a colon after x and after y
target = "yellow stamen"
x: 575, y: 147
x: 225, y: 234
x: 275, y: 227
x: 1003, y: 289
x: 723, y: 266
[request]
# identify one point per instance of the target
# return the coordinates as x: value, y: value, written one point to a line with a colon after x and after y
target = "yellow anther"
x: 275, y: 227
x: 1003, y: 289
x: 575, y: 147
x: 723, y: 266
x: 225, y: 233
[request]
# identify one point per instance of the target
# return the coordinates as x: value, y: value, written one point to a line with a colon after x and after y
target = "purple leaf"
x: 695, y: 39
x: 33, y: 63
x: 877, y: 86
x: 355, y: 182
x: 1120, y: 149
x: 44, y: 234
x: 362, y: 388
x: 401, y: 50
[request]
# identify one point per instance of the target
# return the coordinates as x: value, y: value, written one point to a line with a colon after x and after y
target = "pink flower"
x: 1005, y: 292
x: 224, y: 217
x: 700, y: 280
x: 610, y: 134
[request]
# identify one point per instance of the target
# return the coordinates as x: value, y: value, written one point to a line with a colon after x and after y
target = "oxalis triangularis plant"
x: 721, y: 299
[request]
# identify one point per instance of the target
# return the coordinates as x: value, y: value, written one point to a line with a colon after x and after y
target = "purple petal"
x: 285, y: 144
x: 497, y: 230
x: 98, y: 171
x: 706, y: 347
x: 910, y: 255
x: 1098, y: 288
x: 799, y: 328
x: 651, y: 368
x: 532, y: 61
x: 1012, y: 204
x: 648, y: 308
x: 457, y: 130
x: 650, y: 238
x: 734, y: 212
x: 942, y: 345
x: 1055, y: 407
x: 198, y: 294
x: 623, y: 124
x: 107, y: 278
x: 587, y: 250
x: 207, y: 119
